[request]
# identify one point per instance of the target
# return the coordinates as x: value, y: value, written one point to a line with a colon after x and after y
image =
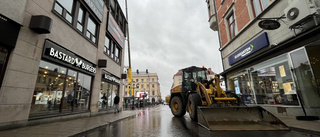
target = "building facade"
x: 144, y: 83
x: 58, y: 59
x: 177, y: 78
x: 268, y: 49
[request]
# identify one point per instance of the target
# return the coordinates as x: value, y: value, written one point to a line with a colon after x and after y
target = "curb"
x: 102, y: 126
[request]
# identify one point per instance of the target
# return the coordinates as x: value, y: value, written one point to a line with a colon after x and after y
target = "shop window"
x: 273, y: 83
x: 65, y: 90
x: 49, y: 97
x: 75, y: 15
x: 259, y: 6
x: 242, y: 87
x: 71, y: 99
x: 83, y: 91
x: 232, y: 26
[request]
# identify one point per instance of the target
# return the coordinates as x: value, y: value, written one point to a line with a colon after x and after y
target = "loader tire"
x: 193, y: 103
x: 177, y: 107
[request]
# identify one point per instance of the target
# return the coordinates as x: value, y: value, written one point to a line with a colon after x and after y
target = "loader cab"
x: 191, y: 75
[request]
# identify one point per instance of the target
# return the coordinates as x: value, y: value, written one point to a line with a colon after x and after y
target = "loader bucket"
x: 238, y: 118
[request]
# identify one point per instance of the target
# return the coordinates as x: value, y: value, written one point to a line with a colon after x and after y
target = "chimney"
x: 147, y: 71
x: 137, y: 71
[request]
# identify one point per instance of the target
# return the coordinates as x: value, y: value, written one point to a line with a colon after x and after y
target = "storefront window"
x: 273, y: 82
x: 70, y: 101
x: 242, y: 88
x: 47, y: 96
x: 107, y: 93
x: 83, y: 91
x: 60, y: 89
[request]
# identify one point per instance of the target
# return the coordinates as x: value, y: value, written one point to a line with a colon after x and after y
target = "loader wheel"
x: 177, y: 107
x: 193, y: 103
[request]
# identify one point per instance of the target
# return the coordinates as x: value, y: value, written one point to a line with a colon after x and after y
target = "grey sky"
x: 167, y: 35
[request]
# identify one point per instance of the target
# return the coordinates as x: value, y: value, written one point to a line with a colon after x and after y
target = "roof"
x: 208, y: 72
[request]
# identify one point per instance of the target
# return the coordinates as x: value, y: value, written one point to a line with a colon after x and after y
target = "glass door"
x: 306, y: 81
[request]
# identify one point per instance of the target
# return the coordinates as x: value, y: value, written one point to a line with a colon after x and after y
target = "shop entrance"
x: 305, y: 64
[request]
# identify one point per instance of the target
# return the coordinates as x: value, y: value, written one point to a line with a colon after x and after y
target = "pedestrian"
x: 116, y: 101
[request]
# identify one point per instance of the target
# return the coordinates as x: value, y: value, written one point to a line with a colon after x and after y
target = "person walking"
x: 116, y: 101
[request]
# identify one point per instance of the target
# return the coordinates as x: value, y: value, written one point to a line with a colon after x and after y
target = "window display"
x: 59, y: 89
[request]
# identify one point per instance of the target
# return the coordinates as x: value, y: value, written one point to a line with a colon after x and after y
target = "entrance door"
x: 305, y: 67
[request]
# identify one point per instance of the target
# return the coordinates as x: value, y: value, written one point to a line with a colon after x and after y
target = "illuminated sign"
x: 97, y: 7
x: 255, y: 45
x: 63, y: 56
x: 111, y: 78
x: 115, y: 31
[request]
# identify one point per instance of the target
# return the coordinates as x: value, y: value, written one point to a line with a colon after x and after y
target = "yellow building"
x: 144, y: 83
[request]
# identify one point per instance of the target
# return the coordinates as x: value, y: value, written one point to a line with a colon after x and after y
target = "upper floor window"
x: 78, y: 17
x: 112, y: 49
x: 142, y: 80
x: 106, y: 46
x: 259, y: 6
x: 64, y: 8
x: 91, y: 30
x: 232, y: 26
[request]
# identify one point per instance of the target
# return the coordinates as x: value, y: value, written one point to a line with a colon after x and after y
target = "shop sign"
x: 269, y: 24
x: 111, y: 78
x: 9, y: 31
x: 115, y: 31
x: 62, y: 56
x: 97, y: 7
x: 252, y: 47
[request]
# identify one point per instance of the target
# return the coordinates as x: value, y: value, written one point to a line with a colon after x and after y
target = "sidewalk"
x: 73, y: 127
x: 312, y: 127
x: 70, y: 127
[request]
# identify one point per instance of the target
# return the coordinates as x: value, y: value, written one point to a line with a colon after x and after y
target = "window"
x: 64, y: 8
x: 137, y: 80
x: 259, y: 6
x: 117, y: 54
x: 107, y: 46
x: 232, y: 26
x: 153, y: 92
x: 142, y: 80
x: 141, y: 85
x: 112, y: 50
x: 153, y: 85
x: 91, y: 30
x: 78, y: 17
x: 80, y: 20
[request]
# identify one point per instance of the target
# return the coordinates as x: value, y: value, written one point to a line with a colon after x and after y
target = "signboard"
x: 269, y: 24
x: 111, y: 78
x: 60, y: 55
x: 97, y: 7
x: 140, y: 94
x: 115, y: 31
x: 9, y: 31
x: 252, y: 47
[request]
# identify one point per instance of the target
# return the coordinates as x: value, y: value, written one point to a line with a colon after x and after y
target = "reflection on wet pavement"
x: 159, y: 122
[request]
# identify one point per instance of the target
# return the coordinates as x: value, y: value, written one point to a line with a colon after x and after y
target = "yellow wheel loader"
x: 212, y: 108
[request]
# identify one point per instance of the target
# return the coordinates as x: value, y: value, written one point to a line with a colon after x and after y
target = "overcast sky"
x: 168, y: 35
